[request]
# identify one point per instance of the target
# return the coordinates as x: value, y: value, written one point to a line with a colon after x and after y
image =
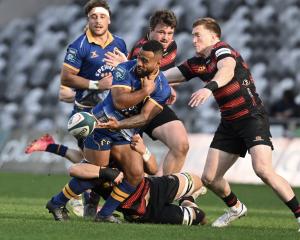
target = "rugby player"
x: 85, y: 72
x: 244, y: 122
x: 166, y: 126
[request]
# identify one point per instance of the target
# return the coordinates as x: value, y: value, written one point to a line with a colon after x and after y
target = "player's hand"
x: 111, y: 174
x: 137, y: 144
x: 106, y: 81
x: 114, y: 58
x: 111, y: 123
x: 199, y: 97
x: 172, y: 99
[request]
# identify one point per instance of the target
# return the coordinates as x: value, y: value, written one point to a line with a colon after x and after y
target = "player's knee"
x: 180, y: 149
x: 184, y: 147
x: 207, y: 179
x: 263, y: 173
x: 135, y: 177
x: 189, y: 185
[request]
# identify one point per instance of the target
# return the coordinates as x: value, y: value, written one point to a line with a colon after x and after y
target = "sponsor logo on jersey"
x: 258, y: 138
x: 120, y: 74
x: 94, y: 54
x: 102, y: 69
x: 201, y: 69
x: 71, y: 55
x: 246, y: 82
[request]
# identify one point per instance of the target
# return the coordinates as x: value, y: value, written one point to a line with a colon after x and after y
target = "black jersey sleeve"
x: 191, y: 67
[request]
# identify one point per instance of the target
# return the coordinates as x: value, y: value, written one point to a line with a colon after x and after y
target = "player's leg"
x: 262, y: 164
x: 87, y: 176
x: 217, y: 164
x: 174, y: 136
x: 185, y: 215
x: 167, y: 128
x: 166, y: 189
x: 96, y: 151
x: 257, y: 137
x: 190, y: 187
x: 46, y: 143
x: 132, y: 165
x: 57, y: 204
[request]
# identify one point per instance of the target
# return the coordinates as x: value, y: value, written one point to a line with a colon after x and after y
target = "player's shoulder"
x: 162, y: 81
x: 140, y: 42
x: 121, y: 71
x: 172, y: 46
x: 223, y: 48
x: 127, y: 65
x: 118, y: 39
x: 162, y: 77
x: 221, y: 44
x: 79, y: 41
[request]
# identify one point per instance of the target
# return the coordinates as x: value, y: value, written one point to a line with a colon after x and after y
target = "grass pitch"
x: 23, y: 215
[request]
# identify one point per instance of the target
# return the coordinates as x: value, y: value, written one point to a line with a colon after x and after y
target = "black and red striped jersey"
x: 135, y: 204
x: 238, y: 98
x: 169, y: 55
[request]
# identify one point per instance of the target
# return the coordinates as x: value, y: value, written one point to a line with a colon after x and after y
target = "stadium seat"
x: 30, y: 66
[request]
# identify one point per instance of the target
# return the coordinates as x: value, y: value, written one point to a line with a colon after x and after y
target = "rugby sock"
x: 293, y: 204
x: 72, y: 190
x: 199, y: 216
x: 118, y: 195
x: 91, y: 197
x: 230, y: 200
x: 57, y: 149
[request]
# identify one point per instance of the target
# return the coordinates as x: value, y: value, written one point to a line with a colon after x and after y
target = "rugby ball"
x: 81, y: 124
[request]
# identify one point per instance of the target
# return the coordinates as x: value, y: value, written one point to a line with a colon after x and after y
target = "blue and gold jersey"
x: 85, y: 56
x: 124, y: 76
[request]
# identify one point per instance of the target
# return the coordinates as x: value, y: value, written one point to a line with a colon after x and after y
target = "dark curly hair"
x: 163, y: 16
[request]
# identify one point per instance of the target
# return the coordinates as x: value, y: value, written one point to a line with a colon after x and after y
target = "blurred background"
x: 34, y: 35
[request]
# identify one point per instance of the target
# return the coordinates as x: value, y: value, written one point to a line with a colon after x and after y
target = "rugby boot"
x: 39, y: 144
x: 60, y: 213
x: 230, y: 215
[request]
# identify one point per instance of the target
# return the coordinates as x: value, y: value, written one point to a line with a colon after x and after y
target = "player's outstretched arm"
x: 174, y: 75
x: 91, y: 171
x: 148, y: 112
x: 223, y: 76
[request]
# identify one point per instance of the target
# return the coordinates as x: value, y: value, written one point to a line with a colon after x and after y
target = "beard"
x: 141, y: 72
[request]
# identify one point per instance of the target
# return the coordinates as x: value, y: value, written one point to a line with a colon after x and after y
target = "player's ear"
x: 109, y: 20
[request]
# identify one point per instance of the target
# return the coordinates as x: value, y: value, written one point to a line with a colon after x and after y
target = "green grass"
x: 23, y: 216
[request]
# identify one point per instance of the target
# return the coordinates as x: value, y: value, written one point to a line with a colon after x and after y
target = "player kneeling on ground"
x: 150, y: 203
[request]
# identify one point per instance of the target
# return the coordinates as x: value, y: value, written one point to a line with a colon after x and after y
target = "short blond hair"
x: 210, y: 24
